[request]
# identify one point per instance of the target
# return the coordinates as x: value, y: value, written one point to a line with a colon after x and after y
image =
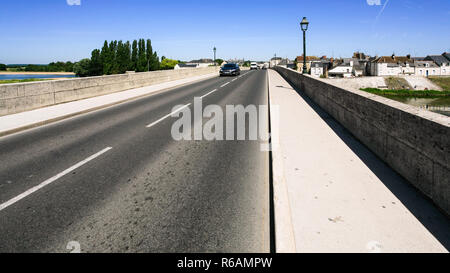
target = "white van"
x: 253, y: 66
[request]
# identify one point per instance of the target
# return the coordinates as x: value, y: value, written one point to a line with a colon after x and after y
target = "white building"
x: 343, y: 70
x: 350, y: 67
x: 392, y: 66
x: 408, y: 68
x: 427, y: 68
x: 284, y: 63
x: 275, y: 61
x: 442, y: 62
x: 320, y: 68
x: 316, y: 69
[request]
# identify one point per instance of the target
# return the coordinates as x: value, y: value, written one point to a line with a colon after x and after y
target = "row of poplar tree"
x: 117, y: 57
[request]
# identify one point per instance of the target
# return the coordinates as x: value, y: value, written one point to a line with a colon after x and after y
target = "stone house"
x: 275, y: 61
x: 427, y: 68
x: 343, y: 70
x: 309, y: 60
x: 320, y: 68
x: 442, y: 62
x: 392, y: 66
x: 349, y: 67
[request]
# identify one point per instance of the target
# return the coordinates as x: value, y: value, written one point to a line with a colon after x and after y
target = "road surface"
x: 109, y: 183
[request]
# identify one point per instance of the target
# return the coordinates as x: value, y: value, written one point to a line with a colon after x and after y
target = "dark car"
x: 230, y: 70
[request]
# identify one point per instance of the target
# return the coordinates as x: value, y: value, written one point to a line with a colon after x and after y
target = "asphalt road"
x: 112, y: 184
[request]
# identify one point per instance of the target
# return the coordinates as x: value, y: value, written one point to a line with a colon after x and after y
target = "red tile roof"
x: 308, y: 58
x: 394, y: 59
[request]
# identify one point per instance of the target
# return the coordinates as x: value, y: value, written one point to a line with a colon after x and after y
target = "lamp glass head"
x: 304, y: 24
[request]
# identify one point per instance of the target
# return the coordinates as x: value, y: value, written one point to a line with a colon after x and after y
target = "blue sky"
x: 50, y: 30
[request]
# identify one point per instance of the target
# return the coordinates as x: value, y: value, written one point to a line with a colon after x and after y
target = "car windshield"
x: 230, y: 66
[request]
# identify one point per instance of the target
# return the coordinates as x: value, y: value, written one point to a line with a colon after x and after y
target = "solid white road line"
x: 51, y: 180
x: 208, y: 93
x: 223, y: 85
x: 166, y: 116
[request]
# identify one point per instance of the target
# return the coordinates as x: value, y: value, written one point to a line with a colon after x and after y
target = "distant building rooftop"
x: 438, y: 59
x: 425, y: 63
x: 285, y: 62
x: 394, y: 59
x: 446, y: 55
x: 308, y: 58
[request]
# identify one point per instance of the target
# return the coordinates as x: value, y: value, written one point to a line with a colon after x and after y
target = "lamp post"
x: 215, y: 49
x: 304, y: 25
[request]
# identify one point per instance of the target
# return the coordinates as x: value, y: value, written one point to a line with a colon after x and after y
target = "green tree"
x: 113, y: 57
x: 68, y: 67
x: 155, y: 62
x: 295, y: 64
x: 149, y: 55
x: 219, y: 62
x: 96, y: 65
x: 142, y: 59
x: 106, y: 59
x: 122, y: 57
x: 2, y: 67
x: 167, y: 64
x: 128, y: 54
x: 134, y: 56
x: 51, y: 67
x: 82, y: 67
x: 34, y: 68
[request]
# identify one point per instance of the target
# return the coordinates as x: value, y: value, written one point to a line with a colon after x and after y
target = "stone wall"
x: 20, y: 97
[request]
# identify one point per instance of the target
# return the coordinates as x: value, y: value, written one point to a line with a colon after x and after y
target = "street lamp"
x: 304, y: 25
x: 215, y: 49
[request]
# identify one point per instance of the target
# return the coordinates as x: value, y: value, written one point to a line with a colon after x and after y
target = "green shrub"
x: 82, y: 68
x: 167, y: 64
x: 407, y: 93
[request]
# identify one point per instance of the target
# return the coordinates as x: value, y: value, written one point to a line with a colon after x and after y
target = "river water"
x: 438, y: 105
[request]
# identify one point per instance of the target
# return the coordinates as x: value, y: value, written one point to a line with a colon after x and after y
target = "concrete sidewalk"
x: 340, y: 196
x: 21, y: 121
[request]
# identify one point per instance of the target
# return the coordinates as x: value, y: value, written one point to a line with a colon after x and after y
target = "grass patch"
x: 443, y: 82
x: 408, y: 93
x: 23, y: 80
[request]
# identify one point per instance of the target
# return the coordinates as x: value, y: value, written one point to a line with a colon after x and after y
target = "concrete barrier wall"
x: 414, y: 142
x: 20, y: 97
